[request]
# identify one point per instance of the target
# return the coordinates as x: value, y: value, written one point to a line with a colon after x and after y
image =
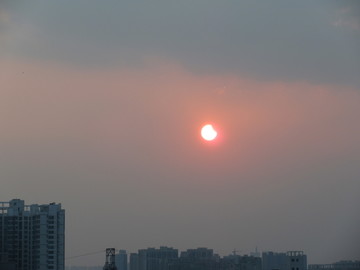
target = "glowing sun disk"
x: 208, y: 132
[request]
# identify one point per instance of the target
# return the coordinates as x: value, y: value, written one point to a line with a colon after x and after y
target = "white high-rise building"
x: 32, y: 237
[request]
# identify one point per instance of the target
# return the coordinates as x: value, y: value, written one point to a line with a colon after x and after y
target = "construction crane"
x: 234, y: 252
x: 110, y: 259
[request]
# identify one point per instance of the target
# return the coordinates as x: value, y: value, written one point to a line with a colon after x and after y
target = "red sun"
x: 208, y: 132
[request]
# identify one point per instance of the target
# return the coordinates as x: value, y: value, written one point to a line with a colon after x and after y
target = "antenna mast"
x: 110, y: 259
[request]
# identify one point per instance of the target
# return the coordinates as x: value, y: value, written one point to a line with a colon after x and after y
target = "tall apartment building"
x: 121, y: 260
x: 32, y: 237
x: 198, y: 258
x: 156, y: 259
x: 134, y: 261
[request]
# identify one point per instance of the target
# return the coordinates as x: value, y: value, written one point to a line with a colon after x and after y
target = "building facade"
x: 32, y: 237
x: 156, y: 259
x: 297, y: 260
x: 291, y: 260
x: 274, y: 261
x: 197, y: 259
x: 121, y: 260
x: 134, y: 261
x: 238, y: 262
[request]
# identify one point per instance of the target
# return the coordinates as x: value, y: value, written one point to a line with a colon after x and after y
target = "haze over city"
x: 102, y: 105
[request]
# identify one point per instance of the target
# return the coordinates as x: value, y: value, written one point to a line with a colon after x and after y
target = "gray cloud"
x: 277, y: 40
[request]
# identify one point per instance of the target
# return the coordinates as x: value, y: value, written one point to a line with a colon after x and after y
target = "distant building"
x: 121, y: 260
x: 296, y: 260
x: 238, y: 262
x: 274, y: 261
x: 291, y: 260
x: 341, y: 265
x: 32, y: 237
x: 196, y: 259
x: 156, y: 259
x: 134, y: 261
x: 83, y: 268
x: 198, y: 253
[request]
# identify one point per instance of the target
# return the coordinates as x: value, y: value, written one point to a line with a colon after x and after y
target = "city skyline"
x: 102, y: 105
x: 41, y: 228
x: 267, y: 260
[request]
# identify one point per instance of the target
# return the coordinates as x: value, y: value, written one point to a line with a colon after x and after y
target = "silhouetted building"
x: 134, y: 261
x: 238, y: 262
x: 5, y: 264
x: 156, y: 259
x: 196, y: 259
x: 83, y: 268
x: 121, y: 260
x: 198, y: 253
x: 32, y: 237
x: 291, y: 260
x: 297, y: 260
x: 341, y: 265
x: 274, y: 261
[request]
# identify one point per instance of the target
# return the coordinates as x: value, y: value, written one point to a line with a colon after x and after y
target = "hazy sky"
x: 101, y: 105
